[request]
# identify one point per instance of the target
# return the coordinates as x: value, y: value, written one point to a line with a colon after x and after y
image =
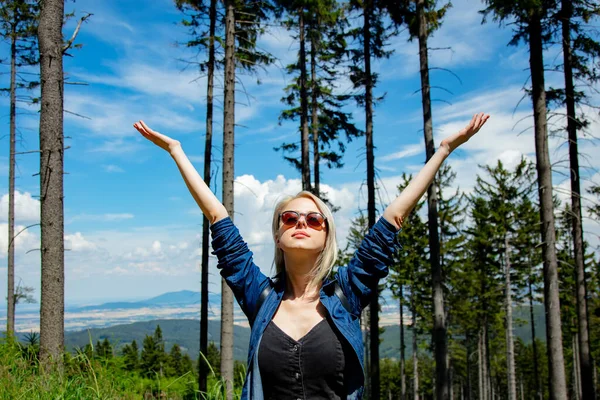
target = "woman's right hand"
x: 162, y: 141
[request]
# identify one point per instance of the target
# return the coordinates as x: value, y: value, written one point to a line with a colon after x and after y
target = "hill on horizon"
x: 179, y: 298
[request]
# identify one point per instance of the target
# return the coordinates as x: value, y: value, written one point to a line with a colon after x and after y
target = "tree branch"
x: 70, y: 42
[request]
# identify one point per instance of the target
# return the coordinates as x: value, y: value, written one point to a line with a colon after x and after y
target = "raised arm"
x: 212, y: 208
x: 410, y: 196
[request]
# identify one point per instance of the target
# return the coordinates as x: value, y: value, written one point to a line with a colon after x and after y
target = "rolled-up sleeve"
x: 369, y: 264
x: 236, y: 264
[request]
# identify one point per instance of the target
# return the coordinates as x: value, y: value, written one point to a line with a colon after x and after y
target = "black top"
x: 310, y: 368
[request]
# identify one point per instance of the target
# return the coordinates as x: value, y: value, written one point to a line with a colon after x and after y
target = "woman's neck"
x: 298, y: 273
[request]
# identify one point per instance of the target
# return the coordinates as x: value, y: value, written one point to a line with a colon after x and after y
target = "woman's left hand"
x: 466, y: 133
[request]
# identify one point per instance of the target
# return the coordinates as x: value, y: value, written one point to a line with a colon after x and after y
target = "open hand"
x: 466, y: 133
x: 162, y: 141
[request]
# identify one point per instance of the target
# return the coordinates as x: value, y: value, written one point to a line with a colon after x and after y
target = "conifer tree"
x: 370, y: 43
x: 580, y: 54
x: 18, y: 24
x: 324, y: 22
x: 131, y: 356
x: 529, y: 20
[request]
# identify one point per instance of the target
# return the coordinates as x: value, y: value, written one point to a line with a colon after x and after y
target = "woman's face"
x: 301, y: 236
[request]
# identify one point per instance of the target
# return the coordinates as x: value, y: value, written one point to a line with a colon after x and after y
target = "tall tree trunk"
x: 402, y: 361
x: 522, y: 391
x: 510, y: 352
x: 587, y: 378
x: 315, y: 114
x: 556, y: 376
x: 536, y: 375
x: 52, y: 306
x: 374, y: 326
x: 576, y: 381
x: 11, y: 305
x: 481, y: 389
x: 468, y: 363
x: 204, y: 368
x: 488, y: 363
x: 228, y: 178
x: 304, y: 105
x: 450, y: 379
x: 415, y: 350
x: 439, y: 324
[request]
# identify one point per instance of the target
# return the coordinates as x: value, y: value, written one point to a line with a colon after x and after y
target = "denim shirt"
x: 357, y: 280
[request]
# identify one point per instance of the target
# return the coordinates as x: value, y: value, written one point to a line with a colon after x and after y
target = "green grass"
x: 91, y: 378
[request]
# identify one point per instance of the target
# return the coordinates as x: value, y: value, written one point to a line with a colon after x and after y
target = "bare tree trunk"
x: 556, y: 376
x: 204, y: 369
x: 439, y: 324
x: 488, y: 362
x: 576, y: 382
x: 522, y: 392
x: 510, y: 352
x: 485, y: 386
x: 304, y: 106
x: 450, y: 379
x: 468, y: 363
x: 11, y: 306
x: 228, y: 178
x: 315, y: 116
x: 587, y: 381
x: 51, y: 183
x: 374, y: 321
x: 365, y: 318
x: 538, y: 385
x: 415, y: 350
x: 480, y: 368
x: 402, y: 361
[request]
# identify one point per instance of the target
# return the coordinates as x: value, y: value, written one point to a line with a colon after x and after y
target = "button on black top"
x: 310, y: 368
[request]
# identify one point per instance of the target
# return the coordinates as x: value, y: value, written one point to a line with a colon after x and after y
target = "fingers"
x: 478, y: 121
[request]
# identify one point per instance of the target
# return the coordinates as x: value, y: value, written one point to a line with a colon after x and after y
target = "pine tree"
x: 409, y: 269
x: 579, y: 52
x: 196, y: 10
x: 371, y: 39
x: 153, y: 356
x: 51, y: 181
x: 18, y: 24
x: 324, y: 25
x: 175, y: 365
x: 131, y: 356
x: 529, y: 19
x: 422, y: 19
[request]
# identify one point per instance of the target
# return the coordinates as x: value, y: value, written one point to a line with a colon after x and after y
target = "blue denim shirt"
x: 357, y: 280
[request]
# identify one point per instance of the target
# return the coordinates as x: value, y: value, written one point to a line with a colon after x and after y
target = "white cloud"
x: 113, y: 168
x: 26, y: 240
x: 407, y: 151
x: 76, y: 242
x: 27, y: 209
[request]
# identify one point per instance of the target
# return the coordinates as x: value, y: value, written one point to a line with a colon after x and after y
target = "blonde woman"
x: 305, y: 341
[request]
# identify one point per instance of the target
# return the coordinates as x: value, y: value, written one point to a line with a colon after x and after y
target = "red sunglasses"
x: 313, y: 219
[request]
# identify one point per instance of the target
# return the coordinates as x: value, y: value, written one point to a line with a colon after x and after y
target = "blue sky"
x: 132, y: 228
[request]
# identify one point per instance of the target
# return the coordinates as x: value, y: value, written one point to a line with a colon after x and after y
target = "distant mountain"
x: 181, y: 298
x: 171, y: 298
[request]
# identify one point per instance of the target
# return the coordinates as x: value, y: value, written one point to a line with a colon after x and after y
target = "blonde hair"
x: 328, y: 256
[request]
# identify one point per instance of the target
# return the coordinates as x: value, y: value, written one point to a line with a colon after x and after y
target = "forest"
x: 472, y: 266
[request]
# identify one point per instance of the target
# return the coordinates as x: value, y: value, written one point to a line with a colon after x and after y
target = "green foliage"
x: 325, y: 22
x: 250, y: 19
x: 18, y: 21
x: 88, y: 375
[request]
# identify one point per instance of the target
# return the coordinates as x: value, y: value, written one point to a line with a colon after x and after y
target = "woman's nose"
x: 301, y: 220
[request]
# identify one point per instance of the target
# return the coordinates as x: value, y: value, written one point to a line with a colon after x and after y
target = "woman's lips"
x: 300, y: 234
